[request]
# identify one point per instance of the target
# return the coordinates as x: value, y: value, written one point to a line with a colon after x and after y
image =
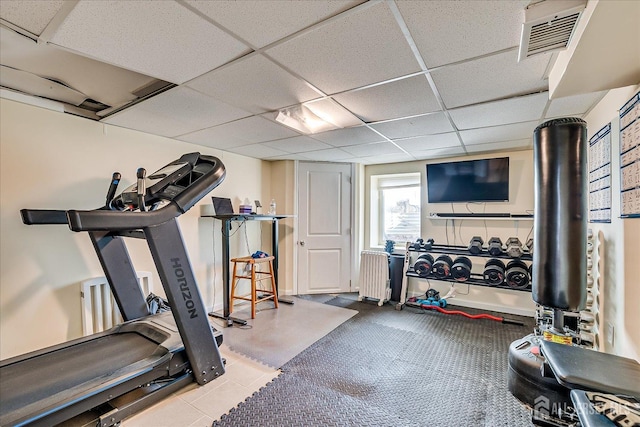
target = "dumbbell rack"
x: 475, y: 278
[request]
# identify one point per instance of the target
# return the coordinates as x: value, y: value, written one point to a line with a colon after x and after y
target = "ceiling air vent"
x: 548, y: 26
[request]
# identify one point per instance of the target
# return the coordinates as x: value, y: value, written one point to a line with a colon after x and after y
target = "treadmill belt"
x: 41, y: 377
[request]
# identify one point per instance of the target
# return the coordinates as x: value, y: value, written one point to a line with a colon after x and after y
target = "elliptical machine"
x: 563, y: 383
x: 115, y: 373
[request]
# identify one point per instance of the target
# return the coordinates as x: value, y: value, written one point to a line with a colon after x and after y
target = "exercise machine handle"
x: 43, y: 216
x: 141, y: 174
x: 111, y: 193
x: 107, y: 220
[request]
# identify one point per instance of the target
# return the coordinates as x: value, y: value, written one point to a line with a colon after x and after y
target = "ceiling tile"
x: 414, y: 126
x: 499, y: 133
x: 439, y: 153
x: 377, y: 148
x: 330, y: 155
x: 515, y: 110
x: 349, y: 136
x: 493, y: 77
x: 298, y: 144
x: 429, y: 142
x: 573, y: 105
x: 359, y: 49
x: 262, y: 22
x: 521, y: 144
x: 30, y: 15
x: 240, y: 132
x: 257, y: 151
x: 175, y: 112
x: 481, y: 27
x: 213, y: 137
x: 401, y: 98
x: 255, y: 84
x: 385, y: 158
x: 290, y: 156
x: 154, y: 36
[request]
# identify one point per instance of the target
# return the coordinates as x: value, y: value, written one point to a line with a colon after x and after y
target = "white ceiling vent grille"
x: 549, y: 26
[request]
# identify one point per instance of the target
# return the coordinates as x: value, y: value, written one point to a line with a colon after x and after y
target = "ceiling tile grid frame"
x: 262, y: 23
x: 393, y: 100
x: 153, y: 34
x: 374, y: 149
x: 249, y: 130
x: 513, y: 110
x: 448, y: 31
x: 491, y: 78
x: 439, y: 153
x: 298, y: 144
x: 175, y: 112
x: 254, y: 83
x: 509, y: 132
x: 350, y: 52
x: 30, y: 15
x: 522, y: 144
x: 348, y: 136
x: 427, y: 124
x: 429, y: 142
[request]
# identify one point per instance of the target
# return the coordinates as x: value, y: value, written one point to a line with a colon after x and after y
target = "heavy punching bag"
x: 560, y: 220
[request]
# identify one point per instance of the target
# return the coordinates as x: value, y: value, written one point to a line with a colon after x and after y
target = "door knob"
x: 301, y: 242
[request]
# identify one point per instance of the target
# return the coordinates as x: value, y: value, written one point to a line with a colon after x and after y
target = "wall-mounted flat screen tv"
x: 485, y: 180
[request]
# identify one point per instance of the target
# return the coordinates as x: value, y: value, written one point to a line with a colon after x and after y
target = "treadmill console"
x: 166, y: 183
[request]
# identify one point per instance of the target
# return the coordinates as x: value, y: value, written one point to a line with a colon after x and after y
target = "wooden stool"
x: 255, y: 277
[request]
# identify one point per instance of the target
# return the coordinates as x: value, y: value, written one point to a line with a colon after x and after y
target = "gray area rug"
x: 394, y: 368
x: 276, y: 336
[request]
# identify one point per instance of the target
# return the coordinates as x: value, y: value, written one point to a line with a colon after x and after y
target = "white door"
x: 324, y: 228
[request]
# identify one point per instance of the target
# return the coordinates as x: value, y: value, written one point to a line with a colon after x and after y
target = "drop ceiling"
x: 405, y: 80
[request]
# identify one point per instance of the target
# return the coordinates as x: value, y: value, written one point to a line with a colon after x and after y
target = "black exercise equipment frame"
x: 160, y: 229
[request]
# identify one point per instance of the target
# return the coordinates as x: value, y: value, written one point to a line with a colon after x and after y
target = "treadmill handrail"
x: 103, y: 220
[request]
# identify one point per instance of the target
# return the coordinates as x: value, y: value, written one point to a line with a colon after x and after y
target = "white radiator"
x: 99, y: 308
x: 374, y: 276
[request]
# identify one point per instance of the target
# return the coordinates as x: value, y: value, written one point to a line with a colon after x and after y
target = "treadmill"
x: 105, y: 377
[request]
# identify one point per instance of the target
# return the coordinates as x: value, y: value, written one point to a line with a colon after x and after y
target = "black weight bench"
x: 585, y: 371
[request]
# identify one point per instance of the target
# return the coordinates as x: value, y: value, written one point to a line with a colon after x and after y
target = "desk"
x: 226, y: 232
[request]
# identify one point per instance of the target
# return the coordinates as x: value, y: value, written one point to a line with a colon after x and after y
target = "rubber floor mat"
x: 385, y: 367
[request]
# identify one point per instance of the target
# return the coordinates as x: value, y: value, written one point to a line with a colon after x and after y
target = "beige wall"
x: 521, y: 201
x: 283, y: 190
x: 58, y: 161
x: 621, y: 287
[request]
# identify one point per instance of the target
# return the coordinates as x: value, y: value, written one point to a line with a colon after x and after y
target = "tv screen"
x: 485, y: 180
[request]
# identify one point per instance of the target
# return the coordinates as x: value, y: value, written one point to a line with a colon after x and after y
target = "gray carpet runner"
x: 394, y: 368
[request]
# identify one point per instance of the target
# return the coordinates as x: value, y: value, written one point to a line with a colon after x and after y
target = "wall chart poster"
x: 600, y: 176
x: 630, y: 158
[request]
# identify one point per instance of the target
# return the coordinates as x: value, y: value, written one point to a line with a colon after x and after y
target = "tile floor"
x: 201, y: 405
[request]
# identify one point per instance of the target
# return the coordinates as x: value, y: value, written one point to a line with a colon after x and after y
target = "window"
x: 395, y: 208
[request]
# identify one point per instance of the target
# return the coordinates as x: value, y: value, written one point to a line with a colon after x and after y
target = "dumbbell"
x: 461, y: 269
x: 494, y: 272
x: 442, y: 267
x: 517, y: 274
x: 529, y: 245
x: 494, y: 246
x: 426, y: 246
x: 421, y: 245
x: 416, y: 245
x: 423, y: 265
x: 433, y: 294
x: 514, y: 247
x: 475, y: 245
